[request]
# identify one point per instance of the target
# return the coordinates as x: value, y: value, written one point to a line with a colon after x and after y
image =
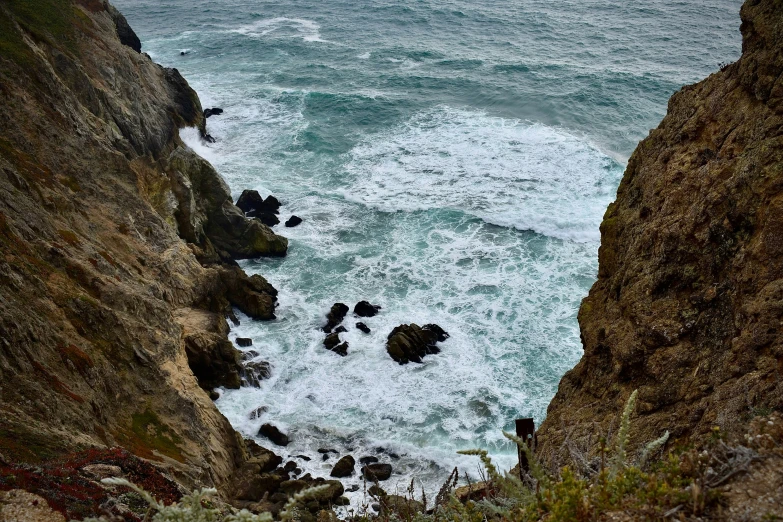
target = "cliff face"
x: 688, y: 306
x: 116, y: 243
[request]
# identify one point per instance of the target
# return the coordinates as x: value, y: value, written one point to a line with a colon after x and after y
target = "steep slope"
x: 116, y: 248
x: 688, y: 306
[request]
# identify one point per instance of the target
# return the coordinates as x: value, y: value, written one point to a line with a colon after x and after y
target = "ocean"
x: 452, y: 161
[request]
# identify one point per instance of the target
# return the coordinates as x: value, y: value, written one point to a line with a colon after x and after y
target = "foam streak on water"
x: 452, y: 160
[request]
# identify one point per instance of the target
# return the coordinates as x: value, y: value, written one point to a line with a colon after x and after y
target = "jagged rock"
x: 253, y: 295
x: 126, y: 35
x: 332, y: 342
x: 411, y: 342
x: 377, y: 471
x: 441, y: 334
x: 363, y: 327
x: 335, y: 316
x: 244, y: 342
x: 293, y: 221
x: 254, y: 372
x: 250, y: 201
x: 271, y: 204
x: 267, y: 218
x: 214, y: 111
x: 344, y: 467
x: 365, y: 309
x: 368, y: 460
x: 249, y: 355
x: 211, y: 356
x: 265, y: 459
x: 274, y: 434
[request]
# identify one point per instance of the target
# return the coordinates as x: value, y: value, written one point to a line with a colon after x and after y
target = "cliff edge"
x: 116, y: 251
x: 688, y: 306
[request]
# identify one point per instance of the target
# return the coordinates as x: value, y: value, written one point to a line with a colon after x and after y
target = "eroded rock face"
x: 689, y: 297
x: 111, y: 231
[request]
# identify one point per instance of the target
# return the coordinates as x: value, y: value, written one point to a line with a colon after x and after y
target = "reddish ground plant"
x: 77, y: 494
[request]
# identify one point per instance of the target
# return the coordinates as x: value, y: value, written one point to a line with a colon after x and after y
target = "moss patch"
x: 148, y: 433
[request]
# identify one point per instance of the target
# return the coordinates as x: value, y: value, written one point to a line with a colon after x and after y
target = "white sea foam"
x: 282, y: 27
x: 192, y: 138
x: 365, y: 56
x: 507, y: 172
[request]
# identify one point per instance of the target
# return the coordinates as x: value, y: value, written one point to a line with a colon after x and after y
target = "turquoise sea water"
x: 451, y: 161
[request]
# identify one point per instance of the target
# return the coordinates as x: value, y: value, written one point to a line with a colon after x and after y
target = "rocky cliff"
x: 116, y: 251
x: 688, y: 306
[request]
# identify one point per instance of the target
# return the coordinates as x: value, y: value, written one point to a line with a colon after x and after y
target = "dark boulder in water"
x: 293, y: 221
x: 267, y: 218
x: 274, y: 434
x: 365, y: 309
x: 410, y: 342
x: 332, y: 342
x: 214, y: 111
x: 271, y: 204
x: 340, y: 329
x: 377, y: 471
x: 368, y: 460
x: 335, y: 316
x: 344, y: 467
x: 437, y: 330
x: 244, y: 342
x: 250, y: 200
x: 363, y: 327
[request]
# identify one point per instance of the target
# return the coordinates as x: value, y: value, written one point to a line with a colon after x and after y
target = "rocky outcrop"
x: 335, y: 316
x: 688, y: 303
x: 117, y: 247
x: 373, y: 472
x: 410, y: 342
x: 344, y: 467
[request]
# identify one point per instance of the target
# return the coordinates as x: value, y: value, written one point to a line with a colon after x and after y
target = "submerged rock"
x: 244, y: 342
x: 365, y: 309
x: 293, y: 221
x: 335, y: 316
x: 344, y: 467
x: 411, y: 342
x: 272, y: 433
x: 368, y: 460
